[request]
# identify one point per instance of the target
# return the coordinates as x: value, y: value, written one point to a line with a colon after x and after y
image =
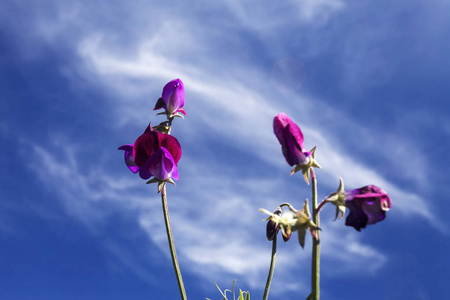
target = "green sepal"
x: 306, y: 175
x: 161, y: 182
x: 304, y: 222
x: 305, y: 167
x: 153, y: 180
x: 296, y: 169
x: 171, y: 116
x: 170, y: 180
x: 313, y: 162
x: 178, y: 115
x: 338, y: 199
x: 340, y: 211
x: 305, y: 209
x: 301, y: 236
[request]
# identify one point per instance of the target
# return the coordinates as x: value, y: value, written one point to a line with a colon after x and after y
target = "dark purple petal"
x: 171, y: 144
x: 272, y: 226
x: 173, y: 96
x: 161, y: 165
x: 145, y: 146
x: 367, y: 205
x: 291, y: 139
x: 287, y: 234
x: 356, y: 218
x: 160, y: 104
x: 293, y: 151
x: 129, y: 161
x: 150, y: 141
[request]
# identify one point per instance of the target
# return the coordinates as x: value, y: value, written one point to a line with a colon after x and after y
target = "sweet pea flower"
x: 368, y: 205
x: 291, y: 139
x: 153, y: 154
x: 172, y: 99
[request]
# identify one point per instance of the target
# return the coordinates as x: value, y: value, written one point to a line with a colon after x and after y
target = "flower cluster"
x: 367, y: 205
x: 290, y: 221
x: 155, y: 152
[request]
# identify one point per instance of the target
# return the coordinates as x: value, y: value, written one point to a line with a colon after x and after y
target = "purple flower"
x: 291, y: 139
x: 172, y: 99
x: 368, y: 205
x: 153, y: 154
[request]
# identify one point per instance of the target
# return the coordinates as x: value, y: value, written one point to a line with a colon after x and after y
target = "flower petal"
x: 171, y: 144
x: 356, y: 218
x: 293, y: 151
x: 150, y: 141
x: 161, y: 165
x: 129, y: 161
x: 144, y: 146
x: 291, y: 139
x: 160, y: 104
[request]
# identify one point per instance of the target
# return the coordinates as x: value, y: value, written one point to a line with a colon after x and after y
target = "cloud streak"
x: 214, y: 208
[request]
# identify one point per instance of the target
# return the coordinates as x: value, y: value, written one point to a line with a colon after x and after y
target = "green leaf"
x: 241, y: 296
x: 309, y: 297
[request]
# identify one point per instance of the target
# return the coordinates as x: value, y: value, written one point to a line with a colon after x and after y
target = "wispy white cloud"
x: 215, y: 220
x: 214, y: 213
x: 234, y: 107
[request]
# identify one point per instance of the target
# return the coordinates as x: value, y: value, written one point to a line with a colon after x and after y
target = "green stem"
x: 321, y: 205
x: 173, y: 253
x: 169, y: 124
x: 272, y: 268
x: 315, y: 269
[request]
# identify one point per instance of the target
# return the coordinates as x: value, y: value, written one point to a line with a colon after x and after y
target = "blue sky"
x: 366, y: 81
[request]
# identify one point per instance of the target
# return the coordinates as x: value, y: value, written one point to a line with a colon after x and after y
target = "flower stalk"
x: 271, y: 269
x: 315, y: 268
x: 173, y: 253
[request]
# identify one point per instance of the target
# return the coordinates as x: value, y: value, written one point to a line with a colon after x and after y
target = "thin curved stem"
x: 321, y: 205
x: 271, y: 269
x: 315, y: 268
x: 173, y: 253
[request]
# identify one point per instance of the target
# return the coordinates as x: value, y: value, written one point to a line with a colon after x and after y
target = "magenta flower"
x: 368, y: 205
x: 153, y: 154
x: 172, y: 99
x: 291, y: 139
